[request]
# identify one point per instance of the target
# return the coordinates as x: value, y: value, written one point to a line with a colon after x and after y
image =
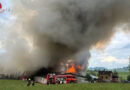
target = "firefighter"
x: 29, y: 81
x: 33, y: 81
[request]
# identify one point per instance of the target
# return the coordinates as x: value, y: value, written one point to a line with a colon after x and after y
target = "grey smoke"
x: 46, y: 32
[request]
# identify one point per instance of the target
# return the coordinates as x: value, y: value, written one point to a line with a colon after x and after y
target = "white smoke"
x: 42, y: 33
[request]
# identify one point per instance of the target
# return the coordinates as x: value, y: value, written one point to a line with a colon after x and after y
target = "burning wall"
x: 42, y: 33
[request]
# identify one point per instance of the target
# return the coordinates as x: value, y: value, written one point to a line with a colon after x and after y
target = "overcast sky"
x: 115, y: 55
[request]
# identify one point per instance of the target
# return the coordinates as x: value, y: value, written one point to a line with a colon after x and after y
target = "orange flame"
x: 72, y: 69
x: 80, y: 67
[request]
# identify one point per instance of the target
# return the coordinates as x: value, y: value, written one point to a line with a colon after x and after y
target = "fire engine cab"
x: 61, y: 79
x: 51, y: 79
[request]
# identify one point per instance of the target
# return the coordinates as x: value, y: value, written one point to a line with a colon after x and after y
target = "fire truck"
x: 61, y: 79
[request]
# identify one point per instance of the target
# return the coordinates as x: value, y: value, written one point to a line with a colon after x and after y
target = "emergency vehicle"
x: 61, y: 79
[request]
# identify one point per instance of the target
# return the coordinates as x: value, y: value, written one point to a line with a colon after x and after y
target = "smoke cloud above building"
x: 44, y: 33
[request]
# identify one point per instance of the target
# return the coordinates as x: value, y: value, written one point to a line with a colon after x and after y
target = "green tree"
x: 115, y: 73
x: 121, y: 79
x: 92, y: 72
x: 89, y: 78
x: 128, y: 77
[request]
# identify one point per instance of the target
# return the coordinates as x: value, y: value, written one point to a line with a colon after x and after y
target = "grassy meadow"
x: 22, y: 85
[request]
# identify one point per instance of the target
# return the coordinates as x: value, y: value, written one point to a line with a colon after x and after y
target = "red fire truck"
x: 61, y: 79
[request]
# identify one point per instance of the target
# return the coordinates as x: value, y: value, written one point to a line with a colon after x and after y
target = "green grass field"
x: 21, y: 85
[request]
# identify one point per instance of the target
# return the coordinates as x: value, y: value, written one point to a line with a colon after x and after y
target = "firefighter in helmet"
x: 29, y: 81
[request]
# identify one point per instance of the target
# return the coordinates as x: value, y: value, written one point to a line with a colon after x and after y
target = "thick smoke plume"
x: 44, y: 33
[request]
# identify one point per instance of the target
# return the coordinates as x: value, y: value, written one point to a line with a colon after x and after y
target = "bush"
x: 89, y: 78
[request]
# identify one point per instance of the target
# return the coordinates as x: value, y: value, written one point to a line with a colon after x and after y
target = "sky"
x: 114, y: 55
